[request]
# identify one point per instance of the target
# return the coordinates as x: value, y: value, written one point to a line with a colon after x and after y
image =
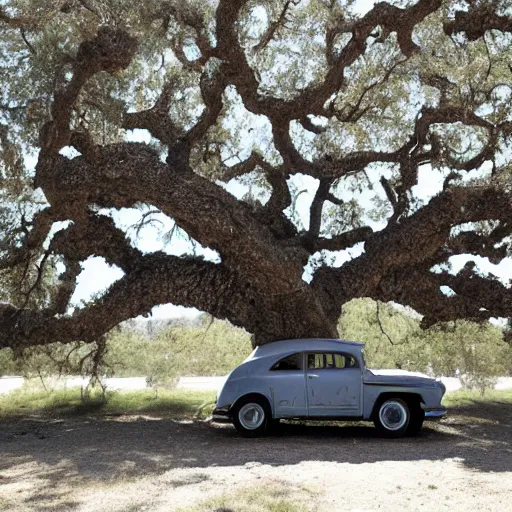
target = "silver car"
x: 318, y: 379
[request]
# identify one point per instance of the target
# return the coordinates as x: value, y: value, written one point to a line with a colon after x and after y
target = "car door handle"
x: 312, y: 376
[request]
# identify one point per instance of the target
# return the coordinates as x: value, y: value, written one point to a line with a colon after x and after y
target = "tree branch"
x: 315, y: 213
x: 477, y: 21
x: 16, y: 22
x: 343, y: 240
x: 111, y: 51
x: 475, y: 298
x: 413, y: 243
x: 379, y: 322
x: 157, y: 279
x: 115, y: 180
x: 32, y: 241
x: 273, y: 27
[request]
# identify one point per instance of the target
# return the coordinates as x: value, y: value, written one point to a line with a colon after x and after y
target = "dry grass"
x: 276, y: 496
x: 68, y: 402
x: 465, y: 398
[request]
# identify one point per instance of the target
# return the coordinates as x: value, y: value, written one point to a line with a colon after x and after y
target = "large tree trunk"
x: 293, y: 316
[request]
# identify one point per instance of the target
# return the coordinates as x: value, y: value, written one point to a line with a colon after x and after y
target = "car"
x: 320, y: 379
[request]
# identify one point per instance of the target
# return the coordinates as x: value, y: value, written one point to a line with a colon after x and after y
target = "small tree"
x: 477, y: 353
x: 158, y: 365
x: 7, y: 363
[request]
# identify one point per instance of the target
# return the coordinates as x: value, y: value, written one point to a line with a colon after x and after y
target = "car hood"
x: 398, y: 377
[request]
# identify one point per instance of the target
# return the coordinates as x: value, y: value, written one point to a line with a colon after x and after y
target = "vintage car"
x: 318, y: 379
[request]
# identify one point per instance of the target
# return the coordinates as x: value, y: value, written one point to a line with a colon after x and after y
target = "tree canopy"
x: 259, y: 92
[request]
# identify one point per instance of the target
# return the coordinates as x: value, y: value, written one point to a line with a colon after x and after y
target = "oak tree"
x: 257, y: 91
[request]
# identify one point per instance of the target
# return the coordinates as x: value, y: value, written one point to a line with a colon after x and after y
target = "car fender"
x: 235, y: 389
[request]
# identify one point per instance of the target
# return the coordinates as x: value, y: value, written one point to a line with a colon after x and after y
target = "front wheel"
x: 392, y: 417
x: 416, y: 421
x: 252, y: 416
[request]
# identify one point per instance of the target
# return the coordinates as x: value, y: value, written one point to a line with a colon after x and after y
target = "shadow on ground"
x: 84, y: 448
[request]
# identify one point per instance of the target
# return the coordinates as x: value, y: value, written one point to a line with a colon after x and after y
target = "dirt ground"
x: 133, y: 464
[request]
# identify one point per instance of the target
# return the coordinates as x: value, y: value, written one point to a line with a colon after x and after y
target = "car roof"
x: 279, y: 347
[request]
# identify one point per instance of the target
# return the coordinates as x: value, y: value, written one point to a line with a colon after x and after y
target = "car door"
x: 288, y: 386
x: 334, y: 384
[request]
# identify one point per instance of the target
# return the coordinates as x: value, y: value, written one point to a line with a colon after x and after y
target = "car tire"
x: 417, y: 418
x: 274, y: 425
x: 252, y: 416
x: 392, y: 417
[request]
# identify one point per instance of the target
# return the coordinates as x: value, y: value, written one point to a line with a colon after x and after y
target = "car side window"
x: 327, y: 361
x: 315, y: 361
x: 350, y: 362
x: 293, y: 362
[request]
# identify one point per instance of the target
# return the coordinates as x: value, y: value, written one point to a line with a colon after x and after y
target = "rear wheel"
x: 252, y: 416
x: 392, y: 417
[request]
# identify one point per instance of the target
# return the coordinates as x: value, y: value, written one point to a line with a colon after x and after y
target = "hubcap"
x: 251, y: 416
x: 393, y: 415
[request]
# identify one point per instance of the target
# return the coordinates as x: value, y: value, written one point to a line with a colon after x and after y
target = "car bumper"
x: 221, y: 415
x: 434, y: 413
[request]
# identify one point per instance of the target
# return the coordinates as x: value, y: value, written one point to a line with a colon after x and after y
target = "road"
x: 195, y: 383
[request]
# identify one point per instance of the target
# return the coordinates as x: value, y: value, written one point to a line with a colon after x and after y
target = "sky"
x: 97, y: 275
